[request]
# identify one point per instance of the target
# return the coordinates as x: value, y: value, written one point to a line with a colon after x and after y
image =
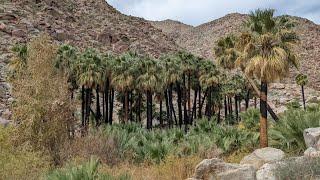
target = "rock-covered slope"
x: 84, y: 23
x: 201, y: 40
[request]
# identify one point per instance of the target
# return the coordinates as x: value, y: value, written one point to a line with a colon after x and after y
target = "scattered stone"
x: 261, y: 156
x: 312, y: 137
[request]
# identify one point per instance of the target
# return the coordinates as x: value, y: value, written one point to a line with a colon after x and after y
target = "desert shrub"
x: 250, y: 120
x: 42, y: 106
x: 94, y: 144
x: 87, y: 171
x: 19, y: 162
x: 287, y: 134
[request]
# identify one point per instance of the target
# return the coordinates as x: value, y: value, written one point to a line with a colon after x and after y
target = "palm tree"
x: 209, y: 79
x: 172, y: 75
x: 302, y: 80
x: 267, y: 56
x: 123, y: 78
x: 148, y: 81
x: 89, y: 72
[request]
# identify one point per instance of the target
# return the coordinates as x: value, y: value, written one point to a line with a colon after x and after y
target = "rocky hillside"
x: 201, y: 39
x: 85, y: 23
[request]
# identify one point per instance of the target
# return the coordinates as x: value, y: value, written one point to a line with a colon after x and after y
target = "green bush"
x: 250, y: 120
x: 287, y: 134
x: 86, y: 171
x: 137, y: 144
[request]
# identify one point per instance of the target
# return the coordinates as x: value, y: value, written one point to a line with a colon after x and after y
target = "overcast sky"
x: 195, y: 12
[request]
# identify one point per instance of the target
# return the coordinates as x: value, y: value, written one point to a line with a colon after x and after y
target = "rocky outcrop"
x: 261, y: 156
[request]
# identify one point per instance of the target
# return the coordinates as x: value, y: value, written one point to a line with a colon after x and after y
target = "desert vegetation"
x: 84, y: 114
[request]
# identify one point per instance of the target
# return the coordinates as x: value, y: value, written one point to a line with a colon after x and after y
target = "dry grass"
x: 171, y: 168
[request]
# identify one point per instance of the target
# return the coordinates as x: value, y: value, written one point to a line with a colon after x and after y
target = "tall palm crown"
x: 149, y: 79
x: 89, y: 68
x: 123, y: 76
x: 209, y: 74
x: 225, y: 52
x: 268, y: 53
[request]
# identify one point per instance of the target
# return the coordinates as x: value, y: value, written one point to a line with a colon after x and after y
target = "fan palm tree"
x: 148, y: 81
x: 172, y: 75
x: 123, y: 78
x: 89, y: 72
x: 268, y: 55
x: 302, y: 80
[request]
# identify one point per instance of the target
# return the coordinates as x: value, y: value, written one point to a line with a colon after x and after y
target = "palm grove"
x: 177, y: 89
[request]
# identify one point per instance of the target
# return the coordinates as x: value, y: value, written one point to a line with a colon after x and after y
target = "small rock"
x: 312, y: 137
x: 261, y: 156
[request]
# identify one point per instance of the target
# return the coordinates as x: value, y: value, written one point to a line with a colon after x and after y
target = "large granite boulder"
x: 261, y: 156
x: 291, y: 168
x: 312, y: 137
x: 218, y: 169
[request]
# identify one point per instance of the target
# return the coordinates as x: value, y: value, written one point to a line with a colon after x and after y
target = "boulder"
x: 312, y: 137
x: 261, y: 156
x: 218, y: 169
x: 244, y: 172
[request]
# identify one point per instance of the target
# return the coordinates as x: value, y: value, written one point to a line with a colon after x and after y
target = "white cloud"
x: 196, y: 12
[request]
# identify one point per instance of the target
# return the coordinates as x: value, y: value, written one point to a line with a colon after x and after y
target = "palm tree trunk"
x: 263, y: 115
x: 149, y: 110
x: 219, y: 113
x: 130, y: 106
x: 139, y: 107
x: 255, y: 102
x: 189, y: 98
x: 126, y: 107
x: 236, y: 107
x: 111, y: 101
x: 83, y: 103
x: 160, y: 114
x: 194, y: 108
x: 179, y: 104
x: 98, y: 110
x: 106, y: 97
x: 169, y: 116
x: 209, y: 113
x: 185, y: 110
x: 225, y: 107
x: 247, y: 99
x: 199, y: 103
x: 173, y: 112
x: 303, y: 98
x: 274, y: 116
x: 202, y: 102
